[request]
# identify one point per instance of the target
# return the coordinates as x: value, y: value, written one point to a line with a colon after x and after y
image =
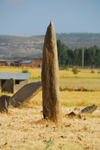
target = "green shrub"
x: 98, y: 71
x: 60, y: 68
x: 66, y: 68
x: 75, y: 70
x: 93, y: 71
x: 25, y: 71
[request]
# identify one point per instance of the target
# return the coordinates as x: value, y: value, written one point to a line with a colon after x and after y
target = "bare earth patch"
x: 25, y: 129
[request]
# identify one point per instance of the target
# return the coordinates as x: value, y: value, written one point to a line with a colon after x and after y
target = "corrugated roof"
x: 26, y: 62
x: 17, y: 76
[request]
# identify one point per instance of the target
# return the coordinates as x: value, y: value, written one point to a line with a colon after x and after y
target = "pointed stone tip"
x: 51, y: 23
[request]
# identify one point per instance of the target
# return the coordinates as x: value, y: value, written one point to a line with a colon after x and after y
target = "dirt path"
x: 24, y: 129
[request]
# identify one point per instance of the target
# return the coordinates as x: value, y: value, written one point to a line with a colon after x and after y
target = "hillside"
x: 33, y: 46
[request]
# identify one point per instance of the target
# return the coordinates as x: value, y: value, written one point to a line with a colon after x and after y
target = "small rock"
x: 71, y: 115
x: 47, y: 125
x: 76, y: 108
x: 79, y: 138
x: 62, y: 136
x: 24, y: 141
x: 79, y: 116
x: 6, y: 143
x: 68, y: 125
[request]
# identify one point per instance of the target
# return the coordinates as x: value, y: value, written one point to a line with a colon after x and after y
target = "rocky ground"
x: 26, y: 129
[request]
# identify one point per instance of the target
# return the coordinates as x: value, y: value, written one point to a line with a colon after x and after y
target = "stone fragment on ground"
x: 26, y: 93
x: 73, y: 115
x: 4, y: 103
x: 89, y: 109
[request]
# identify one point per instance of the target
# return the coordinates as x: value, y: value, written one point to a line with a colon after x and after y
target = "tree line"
x: 67, y: 56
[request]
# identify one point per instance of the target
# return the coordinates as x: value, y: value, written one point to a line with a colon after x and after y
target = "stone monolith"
x: 50, y: 77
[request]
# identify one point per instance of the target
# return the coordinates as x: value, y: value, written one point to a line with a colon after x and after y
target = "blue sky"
x: 31, y: 17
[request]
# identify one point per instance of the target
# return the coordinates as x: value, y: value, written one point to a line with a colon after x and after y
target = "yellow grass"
x: 79, y: 98
x: 35, y: 72
x: 11, y: 69
x: 83, y: 79
x: 69, y: 99
x: 24, y: 129
x: 82, y: 74
x: 79, y: 83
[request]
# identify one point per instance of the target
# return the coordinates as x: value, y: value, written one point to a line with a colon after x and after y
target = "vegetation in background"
x: 75, y: 70
x: 25, y: 71
x: 67, y: 56
x: 64, y: 68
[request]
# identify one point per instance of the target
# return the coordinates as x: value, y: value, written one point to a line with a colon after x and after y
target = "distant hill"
x: 33, y: 46
x: 78, y: 40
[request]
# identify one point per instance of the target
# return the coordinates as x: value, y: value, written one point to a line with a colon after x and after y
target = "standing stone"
x: 50, y: 77
x: 8, y: 86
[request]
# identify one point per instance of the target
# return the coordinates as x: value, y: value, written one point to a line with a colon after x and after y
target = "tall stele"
x: 50, y: 77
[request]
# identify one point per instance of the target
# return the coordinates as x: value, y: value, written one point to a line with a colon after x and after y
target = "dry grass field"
x: 24, y: 128
x: 84, y: 79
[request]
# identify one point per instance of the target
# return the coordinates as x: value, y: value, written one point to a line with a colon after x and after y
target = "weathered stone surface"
x: 4, y: 103
x: 50, y: 77
x: 8, y: 86
x: 25, y: 93
x: 73, y: 115
x: 89, y: 109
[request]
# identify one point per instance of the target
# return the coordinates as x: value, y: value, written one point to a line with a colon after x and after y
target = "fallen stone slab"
x: 89, y: 109
x: 26, y: 93
x: 4, y: 103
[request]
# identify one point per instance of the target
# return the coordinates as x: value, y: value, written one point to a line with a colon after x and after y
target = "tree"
x: 70, y: 60
x: 68, y: 56
x: 62, y: 52
x: 59, y: 48
x: 78, y: 56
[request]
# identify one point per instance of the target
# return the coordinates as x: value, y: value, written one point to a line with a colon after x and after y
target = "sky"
x: 32, y: 17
